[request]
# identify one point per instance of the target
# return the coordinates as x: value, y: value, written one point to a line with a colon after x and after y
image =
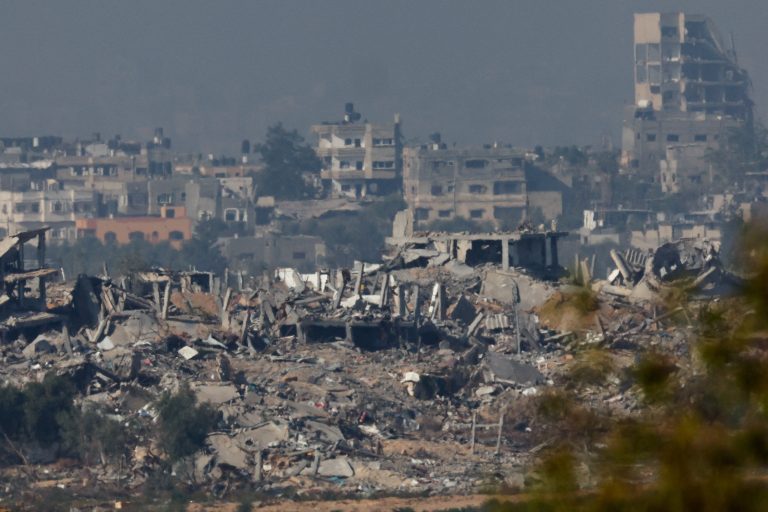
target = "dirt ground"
x: 431, y: 504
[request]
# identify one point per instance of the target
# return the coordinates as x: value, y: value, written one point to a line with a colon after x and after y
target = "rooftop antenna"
x: 733, y: 48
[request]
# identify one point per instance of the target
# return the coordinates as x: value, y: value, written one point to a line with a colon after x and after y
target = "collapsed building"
x: 23, y: 303
x: 689, y: 92
x: 402, y: 375
x: 534, y: 250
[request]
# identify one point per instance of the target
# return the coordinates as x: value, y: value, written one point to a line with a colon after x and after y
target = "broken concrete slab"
x: 509, y: 287
x: 228, y: 451
x: 505, y: 369
x: 216, y: 394
x: 122, y: 362
x: 439, y: 260
x: 338, y: 467
x: 485, y: 391
x: 213, y: 342
x: 462, y: 310
x: 187, y: 353
x: 106, y: 344
x: 267, y: 435
x: 460, y: 270
x: 38, y: 347
x: 328, y: 433
x: 301, y: 410
x: 140, y: 326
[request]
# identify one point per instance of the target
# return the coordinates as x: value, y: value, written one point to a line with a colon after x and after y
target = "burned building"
x: 689, y: 92
x: 359, y: 158
x: 481, y: 184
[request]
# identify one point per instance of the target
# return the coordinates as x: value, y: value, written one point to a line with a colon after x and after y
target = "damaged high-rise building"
x: 689, y: 92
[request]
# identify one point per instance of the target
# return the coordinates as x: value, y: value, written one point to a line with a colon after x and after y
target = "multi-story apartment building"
x: 21, y: 176
x: 481, y: 184
x: 45, y: 204
x: 359, y: 158
x: 689, y: 91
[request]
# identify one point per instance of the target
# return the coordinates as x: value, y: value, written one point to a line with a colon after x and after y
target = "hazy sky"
x: 215, y: 72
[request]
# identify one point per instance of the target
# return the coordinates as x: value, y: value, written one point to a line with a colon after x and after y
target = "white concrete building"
x: 50, y: 205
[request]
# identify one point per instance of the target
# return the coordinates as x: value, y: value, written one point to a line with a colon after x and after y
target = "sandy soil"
x: 432, y: 504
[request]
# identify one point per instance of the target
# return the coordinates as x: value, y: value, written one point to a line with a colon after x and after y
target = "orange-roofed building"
x: 172, y: 226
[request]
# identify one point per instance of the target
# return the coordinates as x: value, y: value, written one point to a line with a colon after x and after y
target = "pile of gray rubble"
x: 406, y: 375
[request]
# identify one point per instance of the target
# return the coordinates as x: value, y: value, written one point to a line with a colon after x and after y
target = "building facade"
x: 45, y: 205
x: 172, y: 226
x: 480, y: 184
x: 689, y: 91
x: 359, y: 158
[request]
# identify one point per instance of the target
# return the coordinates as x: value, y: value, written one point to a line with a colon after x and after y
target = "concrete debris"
x: 269, y: 434
x: 188, y: 353
x: 505, y: 369
x: 105, y: 344
x: 228, y: 451
x: 485, y: 390
x: 691, y: 263
x: 37, y: 347
x: 339, y: 467
x: 216, y: 394
x: 368, y: 377
x: 462, y: 310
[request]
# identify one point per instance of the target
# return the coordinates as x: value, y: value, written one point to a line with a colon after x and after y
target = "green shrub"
x: 44, y: 403
x: 183, y: 425
x: 93, y: 437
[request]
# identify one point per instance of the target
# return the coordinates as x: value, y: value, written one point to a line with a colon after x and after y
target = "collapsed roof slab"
x: 367, y: 334
x: 522, y: 249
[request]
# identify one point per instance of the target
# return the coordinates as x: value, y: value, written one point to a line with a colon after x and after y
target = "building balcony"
x: 343, y: 174
x: 353, y: 174
x: 345, y: 151
x: 514, y: 200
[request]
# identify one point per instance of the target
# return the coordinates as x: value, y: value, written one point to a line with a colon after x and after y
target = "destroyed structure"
x: 689, y: 92
x: 529, y: 249
x: 407, y: 375
x: 413, y: 374
x: 640, y: 275
x: 23, y: 306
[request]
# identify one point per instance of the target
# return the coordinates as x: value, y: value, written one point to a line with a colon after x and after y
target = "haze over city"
x: 523, y: 72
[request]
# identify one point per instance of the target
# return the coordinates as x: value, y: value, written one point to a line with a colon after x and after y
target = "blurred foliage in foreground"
x: 699, y: 441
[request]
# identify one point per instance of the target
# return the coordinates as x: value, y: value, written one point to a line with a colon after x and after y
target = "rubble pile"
x: 413, y: 375
x: 690, y: 263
